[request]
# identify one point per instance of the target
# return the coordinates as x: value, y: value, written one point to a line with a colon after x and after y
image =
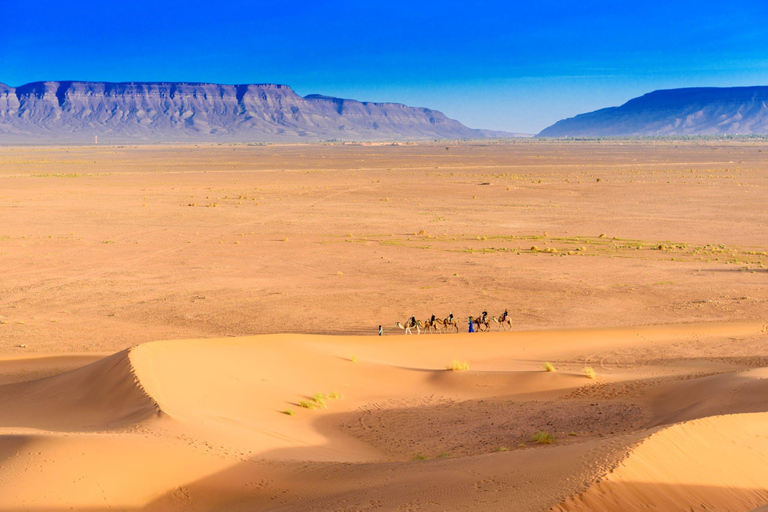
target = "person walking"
x: 471, y: 325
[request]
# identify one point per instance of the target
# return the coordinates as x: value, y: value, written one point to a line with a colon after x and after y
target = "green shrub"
x: 543, y: 437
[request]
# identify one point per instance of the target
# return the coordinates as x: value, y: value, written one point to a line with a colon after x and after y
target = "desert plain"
x: 195, y: 327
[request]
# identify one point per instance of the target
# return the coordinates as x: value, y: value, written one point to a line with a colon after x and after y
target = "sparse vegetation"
x: 419, y: 456
x: 589, y: 372
x: 502, y: 449
x: 458, y: 366
x: 543, y: 437
x: 353, y: 358
x: 549, y: 367
x: 319, y: 400
x: 289, y: 412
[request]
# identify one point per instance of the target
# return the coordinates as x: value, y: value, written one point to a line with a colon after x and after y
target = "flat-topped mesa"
x: 73, y: 111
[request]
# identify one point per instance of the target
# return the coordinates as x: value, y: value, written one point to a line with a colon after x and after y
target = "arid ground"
x: 194, y: 327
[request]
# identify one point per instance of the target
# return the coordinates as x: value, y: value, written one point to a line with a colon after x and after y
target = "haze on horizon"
x: 499, y: 65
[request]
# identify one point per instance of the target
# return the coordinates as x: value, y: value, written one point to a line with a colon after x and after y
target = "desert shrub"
x: 319, y: 400
x: 549, y: 367
x: 543, y: 437
x: 289, y: 412
x: 589, y: 373
x: 458, y: 366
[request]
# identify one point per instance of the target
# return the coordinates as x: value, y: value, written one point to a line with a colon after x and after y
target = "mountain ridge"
x: 674, y: 112
x: 78, y: 111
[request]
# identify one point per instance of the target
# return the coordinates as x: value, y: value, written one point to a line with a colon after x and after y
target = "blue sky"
x: 516, y: 66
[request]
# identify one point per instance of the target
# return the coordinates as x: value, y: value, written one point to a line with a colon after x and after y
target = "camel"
x: 448, y: 322
x: 411, y: 322
x: 430, y: 325
x: 427, y: 325
x: 504, y: 320
x: 481, y: 320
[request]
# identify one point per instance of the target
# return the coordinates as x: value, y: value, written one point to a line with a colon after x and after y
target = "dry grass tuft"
x: 589, y: 372
x: 549, y: 367
x: 543, y: 437
x: 458, y: 366
x: 289, y: 412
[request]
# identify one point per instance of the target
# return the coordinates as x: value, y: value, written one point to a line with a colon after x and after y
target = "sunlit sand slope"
x: 203, y: 424
x: 716, y: 463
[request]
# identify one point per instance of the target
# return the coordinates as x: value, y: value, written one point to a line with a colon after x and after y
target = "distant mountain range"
x: 694, y: 111
x: 186, y: 112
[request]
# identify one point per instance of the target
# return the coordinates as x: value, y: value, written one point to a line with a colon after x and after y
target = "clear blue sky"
x: 507, y: 65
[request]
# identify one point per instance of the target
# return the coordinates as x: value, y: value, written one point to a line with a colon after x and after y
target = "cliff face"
x: 181, y: 112
x: 697, y: 111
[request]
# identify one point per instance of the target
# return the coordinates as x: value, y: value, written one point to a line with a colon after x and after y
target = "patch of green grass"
x: 458, y: 366
x: 549, y: 367
x: 419, y: 456
x: 543, y: 437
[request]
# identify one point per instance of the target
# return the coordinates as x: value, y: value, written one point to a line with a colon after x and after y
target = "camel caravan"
x: 479, y: 323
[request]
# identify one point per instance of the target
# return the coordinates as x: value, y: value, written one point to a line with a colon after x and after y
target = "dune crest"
x: 105, y: 394
x: 715, y: 463
x: 194, y: 424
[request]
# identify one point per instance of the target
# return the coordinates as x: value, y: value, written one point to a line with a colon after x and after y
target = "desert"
x: 195, y: 327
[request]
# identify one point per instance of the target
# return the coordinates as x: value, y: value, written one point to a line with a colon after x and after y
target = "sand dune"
x: 200, y: 425
x: 716, y: 463
x: 102, y: 395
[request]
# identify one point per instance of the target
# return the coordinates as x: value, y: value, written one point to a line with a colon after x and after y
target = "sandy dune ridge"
x: 201, y: 424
